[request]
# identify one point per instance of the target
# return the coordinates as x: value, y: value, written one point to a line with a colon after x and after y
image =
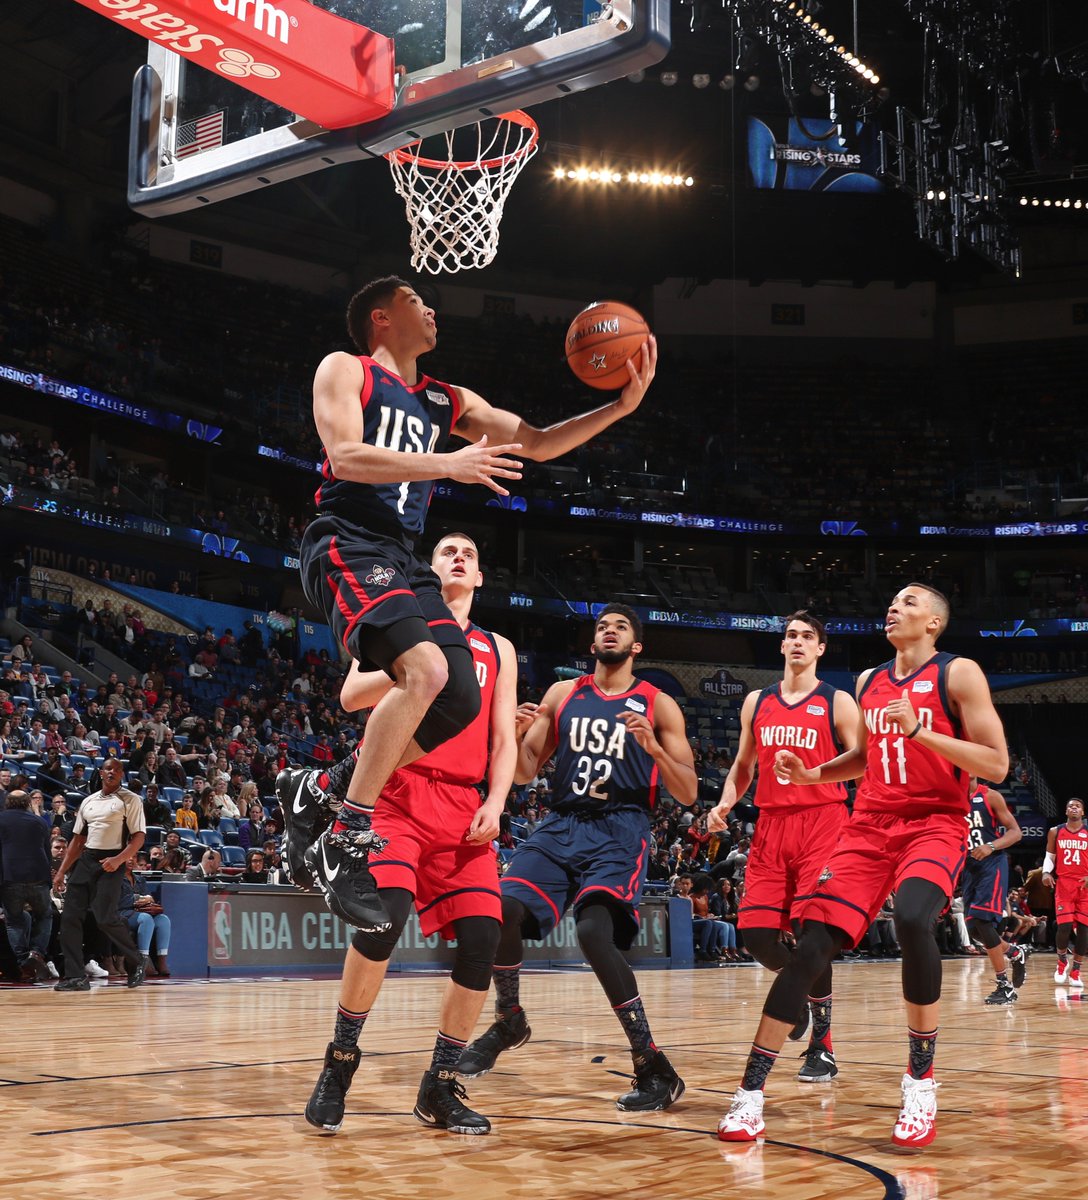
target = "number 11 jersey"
x: 902, y: 777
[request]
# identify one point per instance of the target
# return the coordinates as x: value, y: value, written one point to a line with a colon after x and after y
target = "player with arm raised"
x: 384, y: 428
x: 798, y: 827
x: 991, y: 830
x: 927, y: 724
x: 615, y: 739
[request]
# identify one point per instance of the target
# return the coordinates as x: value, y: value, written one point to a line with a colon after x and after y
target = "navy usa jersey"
x: 982, y: 826
x: 413, y: 420
x: 599, y: 766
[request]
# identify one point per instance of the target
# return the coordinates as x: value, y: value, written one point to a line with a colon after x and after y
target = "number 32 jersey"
x: 599, y: 766
x: 901, y: 777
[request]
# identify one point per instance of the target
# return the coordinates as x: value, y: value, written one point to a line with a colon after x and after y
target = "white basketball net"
x: 454, y: 206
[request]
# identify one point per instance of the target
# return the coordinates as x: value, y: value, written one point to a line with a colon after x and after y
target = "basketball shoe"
x: 744, y: 1120
x: 441, y: 1103
x: 819, y: 1066
x: 508, y: 1032
x: 1019, y: 962
x: 917, y: 1124
x: 305, y: 812
x: 1075, y: 980
x: 338, y: 864
x: 1061, y: 972
x: 655, y: 1086
x: 325, y: 1108
x: 1004, y: 993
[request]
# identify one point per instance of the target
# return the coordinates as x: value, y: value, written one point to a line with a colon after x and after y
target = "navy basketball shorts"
x: 985, y: 884
x: 366, y: 581
x: 575, y: 858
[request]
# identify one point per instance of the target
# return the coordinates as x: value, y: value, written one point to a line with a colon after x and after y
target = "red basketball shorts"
x: 425, y: 821
x: 875, y: 854
x: 1070, y: 902
x: 789, y: 850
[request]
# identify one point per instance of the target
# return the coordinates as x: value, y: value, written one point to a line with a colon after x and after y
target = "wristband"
x: 914, y: 732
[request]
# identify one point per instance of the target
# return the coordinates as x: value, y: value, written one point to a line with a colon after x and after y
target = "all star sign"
x: 323, y: 67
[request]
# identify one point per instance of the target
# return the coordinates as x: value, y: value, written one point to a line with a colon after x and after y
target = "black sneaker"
x: 136, y: 975
x: 78, y: 983
x: 37, y: 964
x: 655, y: 1086
x: 337, y: 862
x: 1004, y: 993
x: 819, y: 1066
x: 441, y: 1103
x: 305, y: 813
x: 325, y: 1108
x: 1019, y: 967
x: 507, y: 1033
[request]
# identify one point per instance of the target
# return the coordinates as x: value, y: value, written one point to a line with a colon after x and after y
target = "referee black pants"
x: 90, y: 889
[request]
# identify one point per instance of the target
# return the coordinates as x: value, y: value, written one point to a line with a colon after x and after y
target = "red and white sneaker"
x: 917, y: 1124
x: 1061, y: 972
x: 1075, y: 980
x: 744, y: 1120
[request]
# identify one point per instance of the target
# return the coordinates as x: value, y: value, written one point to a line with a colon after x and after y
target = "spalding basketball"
x: 601, y: 339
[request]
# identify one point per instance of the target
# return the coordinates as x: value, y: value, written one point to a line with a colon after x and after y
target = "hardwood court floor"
x: 193, y: 1090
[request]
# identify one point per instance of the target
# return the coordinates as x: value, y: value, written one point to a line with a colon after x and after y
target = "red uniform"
x: 1071, y: 866
x: 425, y: 810
x: 798, y: 827
x: 909, y: 813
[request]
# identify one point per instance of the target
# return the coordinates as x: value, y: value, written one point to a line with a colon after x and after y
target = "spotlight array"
x: 796, y: 10
x: 1046, y: 202
x: 607, y: 176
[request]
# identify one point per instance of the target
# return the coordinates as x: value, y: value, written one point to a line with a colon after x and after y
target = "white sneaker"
x: 917, y: 1124
x: 52, y: 969
x: 1075, y: 980
x: 1061, y: 973
x: 95, y: 971
x: 744, y: 1120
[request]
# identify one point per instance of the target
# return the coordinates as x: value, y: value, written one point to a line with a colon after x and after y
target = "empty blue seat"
x: 211, y: 837
x: 233, y: 856
x: 171, y: 795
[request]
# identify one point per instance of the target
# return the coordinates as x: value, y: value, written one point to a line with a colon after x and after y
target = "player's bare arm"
x: 503, y: 755
x: 480, y: 419
x: 982, y: 750
x: 848, y: 765
x: 1051, y: 849
x: 1002, y: 816
x: 538, y: 744
x: 339, y: 419
x: 667, y: 744
x: 741, y: 773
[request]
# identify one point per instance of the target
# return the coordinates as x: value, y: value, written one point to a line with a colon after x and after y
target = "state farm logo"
x: 238, y: 64
x: 265, y: 18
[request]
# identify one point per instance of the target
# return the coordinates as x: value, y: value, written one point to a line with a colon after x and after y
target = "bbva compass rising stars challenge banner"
x: 811, y: 156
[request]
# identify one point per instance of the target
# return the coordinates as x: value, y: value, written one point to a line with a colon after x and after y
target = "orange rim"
x: 517, y: 117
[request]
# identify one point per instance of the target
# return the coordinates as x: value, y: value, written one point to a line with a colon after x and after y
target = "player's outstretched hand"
x: 526, y: 714
x: 484, y: 827
x: 788, y: 768
x: 642, y: 730
x: 480, y: 463
x: 718, y: 818
x: 641, y: 376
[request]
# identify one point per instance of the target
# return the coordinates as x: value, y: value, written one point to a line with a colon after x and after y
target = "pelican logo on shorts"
x: 635, y: 705
x: 817, y: 710
x: 438, y: 398
x: 382, y: 576
x: 825, y: 875
x: 922, y: 685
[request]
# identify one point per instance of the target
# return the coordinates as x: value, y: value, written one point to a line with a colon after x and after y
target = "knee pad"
x: 984, y: 931
x: 456, y: 706
x: 767, y: 947
x: 816, y: 947
x: 477, y: 941
x: 378, y: 947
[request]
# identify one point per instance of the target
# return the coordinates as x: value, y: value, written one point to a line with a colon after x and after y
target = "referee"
x: 96, y: 857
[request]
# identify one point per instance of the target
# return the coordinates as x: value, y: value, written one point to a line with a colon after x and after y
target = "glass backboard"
x: 197, y: 138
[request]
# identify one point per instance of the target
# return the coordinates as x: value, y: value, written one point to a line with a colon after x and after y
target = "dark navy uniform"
x: 358, y: 557
x: 596, y: 840
x: 985, y: 880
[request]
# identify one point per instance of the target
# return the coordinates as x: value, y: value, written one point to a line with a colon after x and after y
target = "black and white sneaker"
x: 1019, y: 965
x: 819, y: 1066
x: 1004, y: 993
x: 325, y: 1108
x: 305, y: 813
x: 337, y: 863
x: 507, y: 1033
x: 441, y: 1103
x: 655, y: 1086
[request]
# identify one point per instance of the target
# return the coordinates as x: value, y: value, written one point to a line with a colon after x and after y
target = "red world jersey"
x: 902, y: 777
x: 808, y: 729
x: 1071, y: 853
x: 463, y: 759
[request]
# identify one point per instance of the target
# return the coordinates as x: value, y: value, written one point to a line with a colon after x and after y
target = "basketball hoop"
x: 454, y: 205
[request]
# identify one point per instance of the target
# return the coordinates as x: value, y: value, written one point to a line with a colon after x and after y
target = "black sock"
x: 821, y: 1022
x: 339, y: 776
x: 632, y: 1016
x: 923, y: 1046
x: 758, y: 1067
x: 507, y: 987
x: 348, y: 1026
x: 447, y: 1052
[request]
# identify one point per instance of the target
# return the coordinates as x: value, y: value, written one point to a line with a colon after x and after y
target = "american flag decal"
x: 205, y: 133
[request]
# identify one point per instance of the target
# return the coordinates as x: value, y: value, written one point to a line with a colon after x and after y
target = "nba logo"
x: 221, y: 931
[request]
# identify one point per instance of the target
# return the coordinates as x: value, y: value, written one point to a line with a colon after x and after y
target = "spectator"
x: 185, y: 817
x: 146, y: 921
x: 207, y: 870
x: 156, y: 810
x: 174, y: 862
x: 255, y: 871
x: 170, y: 772
x: 24, y: 885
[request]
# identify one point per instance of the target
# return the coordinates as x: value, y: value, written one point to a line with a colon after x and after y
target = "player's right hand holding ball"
x: 788, y: 768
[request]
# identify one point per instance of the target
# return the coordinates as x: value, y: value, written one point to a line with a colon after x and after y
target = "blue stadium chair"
x: 171, y: 795
x: 211, y: 837
x: 85, y: 759
x: 154, y: 835
x: 233, y: 856
x: 122, y: 713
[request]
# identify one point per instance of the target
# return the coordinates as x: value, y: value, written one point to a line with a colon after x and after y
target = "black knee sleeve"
x: 768, y: 948
x: 918, y: 905
x: 597, y: 938
x: 808, y: 964
x: 477, y: 942
x: 377, y: 947
x: 1080, y: 946
x: 984, y: 931
x: 1062, y: 935
x: 456, y: 706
